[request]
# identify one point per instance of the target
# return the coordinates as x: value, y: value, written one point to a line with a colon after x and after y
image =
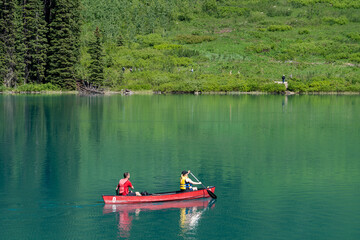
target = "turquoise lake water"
x: 283, y: 167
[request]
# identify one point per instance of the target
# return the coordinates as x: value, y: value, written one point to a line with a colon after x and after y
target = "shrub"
x: 355, y: 57
x: 273, y: 88
x: 354, y: 88
x: 319, y: 86
x: 3, y: 88
x: 354, y: 36
x: 139, y: 86
x: 37, y: 88
x: 146, y: 53
x: 340, y: 20
x: 276, y: 28
x: 182, y: 61
x: 150, y: 39
x: 167, y: 46
x: 303, y: 31
x: 193, y: 39
x: 261, y: 47
x: 295, y: 86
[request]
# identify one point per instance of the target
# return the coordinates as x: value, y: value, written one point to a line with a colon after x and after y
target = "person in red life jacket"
x: 186, y: 183
x: 124, y: 185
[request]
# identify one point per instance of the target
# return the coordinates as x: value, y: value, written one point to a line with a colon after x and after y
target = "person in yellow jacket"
x: 186, y: 183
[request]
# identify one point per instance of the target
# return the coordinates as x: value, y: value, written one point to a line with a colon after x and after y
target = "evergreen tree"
x: 20, y: 47
x: 63, y: 38
x: 96, y: 68
x: 7, y: 40
x: 35, y: 41
x: 2, y: 41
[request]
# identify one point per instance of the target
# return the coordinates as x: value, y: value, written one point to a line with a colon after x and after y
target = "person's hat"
x: 184, y: 172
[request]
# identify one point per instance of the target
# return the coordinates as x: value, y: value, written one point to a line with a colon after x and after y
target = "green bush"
x: 139, y: 86
x: 146, y: 53
x: 150, y: 39
x: 3, y: 88
x: 355, y: 57
x: 354, y: 36
x: 319, y: 86
x: 303, y: 31
x: 354, y: 88
x: 193, y: 39
x: 296, y: 86
x: 261, y: 47
x: 322, y: 84
x: 276, y: 28
x: 273, y: 88
x: 332, y: 20
x: 167, y: 46
x: 181, y: 61
x: 37, y: 88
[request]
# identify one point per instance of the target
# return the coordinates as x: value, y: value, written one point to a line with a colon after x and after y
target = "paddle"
x: 209, y: 192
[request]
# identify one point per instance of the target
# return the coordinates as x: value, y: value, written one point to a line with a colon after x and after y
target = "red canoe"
x: 198, y: 203
x: 158, y: 197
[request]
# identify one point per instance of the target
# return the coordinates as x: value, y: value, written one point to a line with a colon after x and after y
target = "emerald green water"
x: 283, y: 167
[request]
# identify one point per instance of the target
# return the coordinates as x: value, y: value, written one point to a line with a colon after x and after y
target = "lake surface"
x: 283, y: 167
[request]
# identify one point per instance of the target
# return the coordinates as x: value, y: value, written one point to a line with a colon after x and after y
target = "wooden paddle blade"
x: 212, y: 194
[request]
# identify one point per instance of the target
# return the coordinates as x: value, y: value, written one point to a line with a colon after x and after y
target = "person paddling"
x: 124, y: 185
x: 186, y: 183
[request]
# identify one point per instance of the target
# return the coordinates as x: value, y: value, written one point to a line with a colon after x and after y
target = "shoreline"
x: 150, y: 92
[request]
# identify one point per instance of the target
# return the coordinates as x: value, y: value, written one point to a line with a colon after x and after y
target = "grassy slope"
x: 320, y: 50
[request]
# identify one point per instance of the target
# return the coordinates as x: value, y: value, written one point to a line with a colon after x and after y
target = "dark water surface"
x: 283, y: 167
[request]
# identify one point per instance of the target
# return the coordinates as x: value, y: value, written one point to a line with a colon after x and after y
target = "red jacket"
x: 123, y: 186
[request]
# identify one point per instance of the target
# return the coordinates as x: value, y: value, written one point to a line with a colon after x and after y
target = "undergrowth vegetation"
x: 209, y: 45
x: 34, y: 88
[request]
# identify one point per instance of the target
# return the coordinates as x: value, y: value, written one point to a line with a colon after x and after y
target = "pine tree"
x: 96, y: 68
x: 7, y: 40
x: 63, y: 38
x: 2, y: 42
x: 35, y: 41
x: 20, y: 47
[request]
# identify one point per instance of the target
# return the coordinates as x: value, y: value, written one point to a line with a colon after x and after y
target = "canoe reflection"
x: 190, y: 212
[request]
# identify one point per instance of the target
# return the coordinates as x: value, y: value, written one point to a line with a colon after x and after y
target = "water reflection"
x: 190, y: 213
x: 284, y: 103
x: 190, y: 216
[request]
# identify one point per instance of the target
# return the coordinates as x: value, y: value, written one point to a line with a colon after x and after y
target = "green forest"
x: 180, y: 46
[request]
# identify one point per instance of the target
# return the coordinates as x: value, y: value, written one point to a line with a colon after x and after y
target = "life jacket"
x: 121, y: 186
x: 185, y: 185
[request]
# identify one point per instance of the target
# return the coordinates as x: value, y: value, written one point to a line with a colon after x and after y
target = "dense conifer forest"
x: 180, y: 46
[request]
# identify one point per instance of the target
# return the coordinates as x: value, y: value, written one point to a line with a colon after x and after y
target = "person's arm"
x: 130, y: 184
x: 192, y: 182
